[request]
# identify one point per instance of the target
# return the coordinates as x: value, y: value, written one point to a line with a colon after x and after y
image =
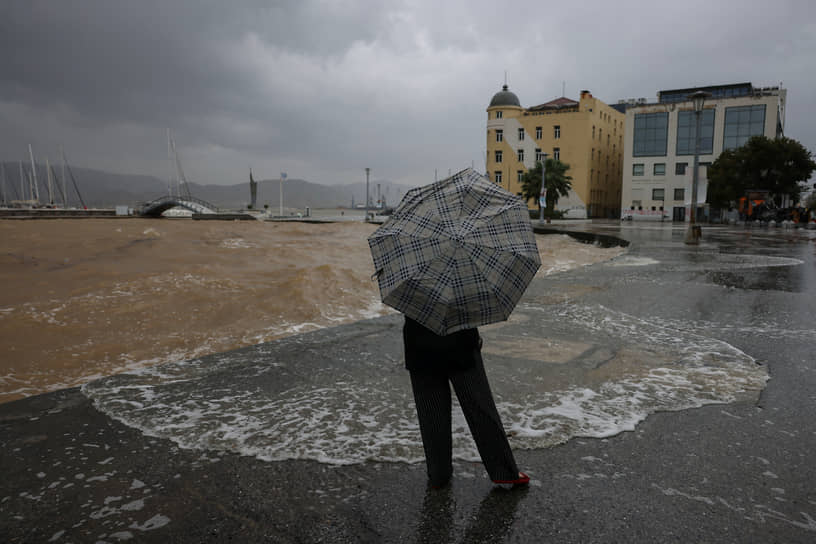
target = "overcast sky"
x: 323, y: 89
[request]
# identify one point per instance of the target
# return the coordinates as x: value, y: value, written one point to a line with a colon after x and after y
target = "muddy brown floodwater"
x: 87, y: 298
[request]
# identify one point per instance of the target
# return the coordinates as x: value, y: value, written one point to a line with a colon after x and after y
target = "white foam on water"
x: 632, y: 260
x: 369, y: 414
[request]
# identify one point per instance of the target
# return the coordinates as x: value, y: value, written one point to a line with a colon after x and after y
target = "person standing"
x: 435, y: 363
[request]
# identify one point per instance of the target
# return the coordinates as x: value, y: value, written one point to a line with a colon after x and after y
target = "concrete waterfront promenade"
x: 737, y: 472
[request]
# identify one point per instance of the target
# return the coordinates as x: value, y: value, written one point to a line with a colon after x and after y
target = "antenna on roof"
x: 505, y: 78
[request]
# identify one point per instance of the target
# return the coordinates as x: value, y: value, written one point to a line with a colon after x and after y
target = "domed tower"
x: 504, y: 98
x: 502, y: 112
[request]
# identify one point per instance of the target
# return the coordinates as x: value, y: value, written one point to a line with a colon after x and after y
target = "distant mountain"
x: 104, y: 189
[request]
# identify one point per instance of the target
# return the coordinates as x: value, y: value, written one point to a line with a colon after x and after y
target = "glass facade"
x: 717, y: 92
x: 651, y: 134
x: 686, y: 128
x: 741, y: 123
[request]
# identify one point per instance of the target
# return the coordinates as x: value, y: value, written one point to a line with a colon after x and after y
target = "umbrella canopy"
x: 456, y: 254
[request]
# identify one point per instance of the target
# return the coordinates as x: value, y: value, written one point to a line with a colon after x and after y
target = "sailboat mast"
x: 64, y: 191
x: 50, y: 182
x: 172, y: 165
x: 3, y: 175
x: 35, y: 191
x: 22, y: 182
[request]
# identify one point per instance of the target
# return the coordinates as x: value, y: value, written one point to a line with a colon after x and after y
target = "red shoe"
x: 523, y: 479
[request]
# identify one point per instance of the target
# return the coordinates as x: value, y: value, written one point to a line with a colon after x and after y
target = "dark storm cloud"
x: 323, y: 88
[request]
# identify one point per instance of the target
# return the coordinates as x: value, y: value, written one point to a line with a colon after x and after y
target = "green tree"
x: 776, y: 165
x: 810, y: 201
x: 558, y: 183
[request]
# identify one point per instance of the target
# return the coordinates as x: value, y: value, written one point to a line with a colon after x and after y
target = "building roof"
x: 504, y: 98
x: 731, y: 90
x: 557, y: 104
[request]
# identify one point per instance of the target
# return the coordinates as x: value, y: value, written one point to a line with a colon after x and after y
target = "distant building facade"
x: 660, y: 140
x: 586, y: 134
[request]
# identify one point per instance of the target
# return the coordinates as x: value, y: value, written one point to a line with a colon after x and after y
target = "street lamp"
x: 542, y: 198
x: 694, y: 232
x: 280, y: 195
x: 368, y: 170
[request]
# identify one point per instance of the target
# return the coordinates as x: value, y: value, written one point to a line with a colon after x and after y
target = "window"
x: 593, y: 132
x: 539, y: 133
x: 497, y: 176
x: 680, y: 168
x: 499, y: 114
x: 592, y: 155
x: 651, y: 134
x: 741, y: 123
x: 557, y: 153
x: 520, y: 155
x: 557, y: 131
x: 660, y: 169
x: 686, y: 128
x: 499, y: 135
x: 679, y: 194
x: 498, y: 156
x: 521, y: 134
x: 657, y: 194
x: 519, y: 175
x: 637, y: 169
x: 600, y: 134
x: 539, y: 156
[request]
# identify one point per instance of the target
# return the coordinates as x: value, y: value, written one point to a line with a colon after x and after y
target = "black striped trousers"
x: 433, y: 403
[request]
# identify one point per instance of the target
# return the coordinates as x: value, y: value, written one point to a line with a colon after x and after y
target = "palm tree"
x: 558, y: 183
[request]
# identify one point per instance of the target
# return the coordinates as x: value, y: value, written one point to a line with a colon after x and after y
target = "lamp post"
x: 280, y: 196
x: 368, y: 170
x: 542, y: 197
x: 694, y: 232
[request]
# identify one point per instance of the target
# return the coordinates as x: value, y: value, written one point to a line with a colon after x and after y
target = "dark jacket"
x: 426, y: 351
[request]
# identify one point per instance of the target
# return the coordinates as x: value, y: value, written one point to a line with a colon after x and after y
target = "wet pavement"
x: 736, y: 467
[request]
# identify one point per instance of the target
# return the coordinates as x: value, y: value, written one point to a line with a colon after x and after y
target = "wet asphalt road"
x: 739, y: 472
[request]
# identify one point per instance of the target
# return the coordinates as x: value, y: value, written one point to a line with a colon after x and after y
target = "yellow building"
x: 587, y: 135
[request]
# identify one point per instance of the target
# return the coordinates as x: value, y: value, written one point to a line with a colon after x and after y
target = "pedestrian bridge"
x: 155, y: 208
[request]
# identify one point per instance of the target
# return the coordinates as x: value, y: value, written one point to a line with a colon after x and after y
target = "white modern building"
x: 659, y: 144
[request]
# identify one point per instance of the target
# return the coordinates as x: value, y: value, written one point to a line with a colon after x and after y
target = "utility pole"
x: 368, y: 171
x: 280, y: 201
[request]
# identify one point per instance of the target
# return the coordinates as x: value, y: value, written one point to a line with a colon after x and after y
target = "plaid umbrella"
x: 455, y: 254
